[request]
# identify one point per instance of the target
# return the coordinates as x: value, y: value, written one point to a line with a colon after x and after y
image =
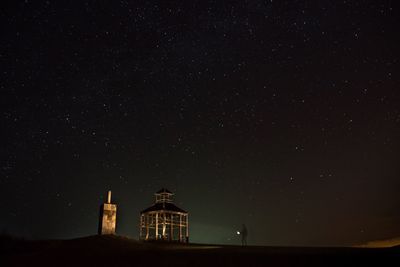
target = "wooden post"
x: 163, y: 227
x: 171, y: 227
x: 187, y: 228
x: 156, y: 225
x: 180, y: 227
x: 147, y: 226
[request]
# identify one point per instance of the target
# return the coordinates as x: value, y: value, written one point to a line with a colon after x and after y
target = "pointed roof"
x: 164, y: 190
x: 164, y: 207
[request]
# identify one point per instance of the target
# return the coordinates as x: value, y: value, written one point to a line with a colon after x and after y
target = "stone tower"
x: 108, y: 217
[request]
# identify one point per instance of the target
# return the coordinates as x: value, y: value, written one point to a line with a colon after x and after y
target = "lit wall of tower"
x: 108, y: 217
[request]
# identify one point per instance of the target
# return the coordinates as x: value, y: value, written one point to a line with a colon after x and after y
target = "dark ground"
x: 120, y: 251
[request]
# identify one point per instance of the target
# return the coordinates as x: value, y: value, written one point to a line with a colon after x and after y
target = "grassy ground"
x: 120, y: 251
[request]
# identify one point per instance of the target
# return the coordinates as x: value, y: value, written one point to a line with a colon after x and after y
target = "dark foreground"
x: 119, y: 251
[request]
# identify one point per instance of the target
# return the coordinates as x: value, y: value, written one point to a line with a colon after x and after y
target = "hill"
x: 120, y: 251
x: 382, y: 243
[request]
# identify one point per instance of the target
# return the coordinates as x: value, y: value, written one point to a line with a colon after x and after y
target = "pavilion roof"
x: 163, y: 190
x: 164, y: 206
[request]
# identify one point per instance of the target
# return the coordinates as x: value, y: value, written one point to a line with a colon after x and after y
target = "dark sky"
x: 283, y: 115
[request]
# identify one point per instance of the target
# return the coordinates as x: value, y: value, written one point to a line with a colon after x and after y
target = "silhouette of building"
x: 108, y: 217
x: 164, y: 220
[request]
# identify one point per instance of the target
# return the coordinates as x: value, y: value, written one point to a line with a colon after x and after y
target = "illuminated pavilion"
x: 164, y: 220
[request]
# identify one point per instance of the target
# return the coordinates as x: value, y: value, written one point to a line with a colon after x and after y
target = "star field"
x: 283, y: 115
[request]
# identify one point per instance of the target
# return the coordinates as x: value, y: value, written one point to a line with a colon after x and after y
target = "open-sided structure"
x: 164, y: 220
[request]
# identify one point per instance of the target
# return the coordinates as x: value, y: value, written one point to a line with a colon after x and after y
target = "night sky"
x: 283, y: 115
